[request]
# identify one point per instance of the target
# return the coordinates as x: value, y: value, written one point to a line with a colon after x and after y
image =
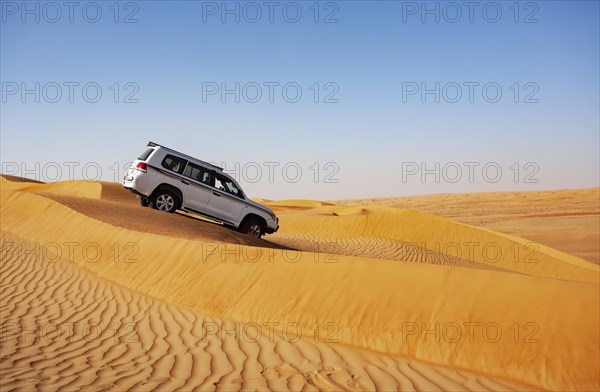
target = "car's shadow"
x: 262, y: 242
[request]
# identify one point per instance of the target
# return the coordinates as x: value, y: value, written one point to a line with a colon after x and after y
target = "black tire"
x: 144, y: 201
x: 164, y: 200
x: 253, y: 226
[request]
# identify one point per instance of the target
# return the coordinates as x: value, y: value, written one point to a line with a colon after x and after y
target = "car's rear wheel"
x: 253, y: 226
x: 164, y: 200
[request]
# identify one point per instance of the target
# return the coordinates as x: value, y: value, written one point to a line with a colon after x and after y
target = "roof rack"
x: 152, y: 144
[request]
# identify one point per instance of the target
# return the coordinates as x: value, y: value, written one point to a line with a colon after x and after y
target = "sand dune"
x: 480, y: 322
x: 454, y: 240
x: 568, y: 220
x: 130, y: 341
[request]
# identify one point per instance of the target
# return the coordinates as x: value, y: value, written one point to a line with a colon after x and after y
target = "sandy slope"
x: 529, y: 322
x: 117, y: 339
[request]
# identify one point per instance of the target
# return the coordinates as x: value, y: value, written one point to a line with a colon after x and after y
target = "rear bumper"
x: 140, y: 185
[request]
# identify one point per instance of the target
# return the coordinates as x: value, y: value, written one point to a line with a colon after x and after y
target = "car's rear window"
x: 143, y: 156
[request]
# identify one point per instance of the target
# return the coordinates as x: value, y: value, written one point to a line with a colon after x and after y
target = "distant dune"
x: 395, y: 294
x: 567, y: 219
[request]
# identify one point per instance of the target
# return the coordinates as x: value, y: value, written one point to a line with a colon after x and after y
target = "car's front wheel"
x: 144, y: 201
x: 164, y: 201
x: 253, y: 226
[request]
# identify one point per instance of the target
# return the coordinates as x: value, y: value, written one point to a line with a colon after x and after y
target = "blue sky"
x: 376, y: 140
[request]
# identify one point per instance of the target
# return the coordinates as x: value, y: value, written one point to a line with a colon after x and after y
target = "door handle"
x: 216, y: 194
x: 185, y: 182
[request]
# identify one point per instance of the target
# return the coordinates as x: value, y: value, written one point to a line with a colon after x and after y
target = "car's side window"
x: 174, y: 163
x: 225, y: 184
x: 198, y: 173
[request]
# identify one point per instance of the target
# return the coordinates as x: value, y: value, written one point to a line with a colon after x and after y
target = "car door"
x: 224, y: 204
x: 195, y: 185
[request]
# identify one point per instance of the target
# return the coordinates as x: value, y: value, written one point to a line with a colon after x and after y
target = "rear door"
x: 196, y: 187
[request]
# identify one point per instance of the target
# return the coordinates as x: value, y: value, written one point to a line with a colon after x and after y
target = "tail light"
x: 141, y: 166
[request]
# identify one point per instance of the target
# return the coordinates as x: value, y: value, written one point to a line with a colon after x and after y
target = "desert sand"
x: 444, y: 292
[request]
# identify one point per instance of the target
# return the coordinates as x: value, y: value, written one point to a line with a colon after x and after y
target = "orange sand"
x: 383, y: 298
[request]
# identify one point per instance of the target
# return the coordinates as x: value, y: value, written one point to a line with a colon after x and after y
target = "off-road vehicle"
x: 168, y: 180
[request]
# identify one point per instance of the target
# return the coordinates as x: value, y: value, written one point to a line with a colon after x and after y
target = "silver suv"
x: 168, y: 180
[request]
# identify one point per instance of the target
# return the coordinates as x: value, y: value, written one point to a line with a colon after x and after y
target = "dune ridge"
x: 273, y: 288
x: 79, y: 188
